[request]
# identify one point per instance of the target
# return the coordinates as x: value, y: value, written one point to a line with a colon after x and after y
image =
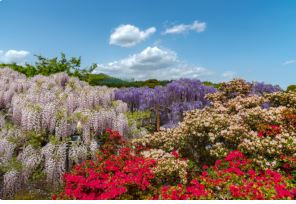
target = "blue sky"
x: 206, y: 39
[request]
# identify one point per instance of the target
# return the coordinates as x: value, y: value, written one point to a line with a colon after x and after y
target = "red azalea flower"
x: 204, y: 167
x: 175, y: 154
x: 204, y: 173
x: 260, y: 134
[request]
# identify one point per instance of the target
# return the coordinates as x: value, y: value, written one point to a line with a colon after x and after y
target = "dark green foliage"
x: 29, y: 195
x: 208, y: 83
x: 291, y: 88
x: 36, y: 187
x: 143, y: 119
x: 13, y: 164
x: 48, y: 66
x: 28, y: 70
x: 37, y: 140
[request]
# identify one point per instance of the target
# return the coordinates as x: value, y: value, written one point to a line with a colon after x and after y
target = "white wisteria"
x: 40, y: 117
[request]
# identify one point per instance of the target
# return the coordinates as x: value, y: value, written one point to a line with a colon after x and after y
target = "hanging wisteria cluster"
x: 51, y: 123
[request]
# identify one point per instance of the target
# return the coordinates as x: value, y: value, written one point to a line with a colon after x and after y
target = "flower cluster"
x: 232, y: 178
x: 114, y: 175
x: 169, y: 168
x: 60, y: 117
x: 167, y: 102
x: 127, y: 175
x: 193, y: 191
x: 266, y: 130
x: 232, y: 122
x: 235, y: 178
x: 236, y: 143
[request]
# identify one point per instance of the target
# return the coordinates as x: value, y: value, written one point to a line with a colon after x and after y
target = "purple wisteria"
x: 167, y: 102
x: 259, y: 88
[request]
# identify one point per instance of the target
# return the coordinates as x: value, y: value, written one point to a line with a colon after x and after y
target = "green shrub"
x: 291, y: 88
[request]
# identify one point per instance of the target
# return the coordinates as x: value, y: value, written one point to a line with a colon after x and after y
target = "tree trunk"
x: 157, y: 120
x: 132, y: 107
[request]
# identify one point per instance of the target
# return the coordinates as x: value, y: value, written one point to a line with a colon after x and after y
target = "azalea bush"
x: 261, y: 126
x: 117, y: 173
x: 233, y: 178
x: 122, y: 173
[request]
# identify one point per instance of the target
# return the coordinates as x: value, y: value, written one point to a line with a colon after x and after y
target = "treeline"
x: 47, y: 66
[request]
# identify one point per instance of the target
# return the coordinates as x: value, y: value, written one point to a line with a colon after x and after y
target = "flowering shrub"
x: 118, y: 173
x: 266, y: 130
x: 235, y: 178
x: 261, y: 88
x: 287, y: 99
x: 170, y: 168
x: 167, y: 102
x: 50, y: 122
x: 233, y: 122
x: 193, y: 191
x: 127, y: 175
x: 289, y: 118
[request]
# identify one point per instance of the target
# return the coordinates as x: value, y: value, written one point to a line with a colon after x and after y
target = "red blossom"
x: 268, y: 130
x: 121, y: 173
x: 204, y: 173
x: 204, y: 167
x: 54, y: 197
x: 260, y: 134
x: 175, y: 154
x: 111, y: 176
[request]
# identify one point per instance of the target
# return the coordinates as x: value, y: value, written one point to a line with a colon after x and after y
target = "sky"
x: 214, y: 40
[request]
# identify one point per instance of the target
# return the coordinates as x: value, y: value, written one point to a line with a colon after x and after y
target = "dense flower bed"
x: 239, y: 144
x: 262, y: 127
x: 122, y: 173
x: 118, y: 172
x: 48, y: 123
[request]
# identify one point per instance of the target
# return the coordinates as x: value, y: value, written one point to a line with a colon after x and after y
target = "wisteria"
x: 58, y: 133
x: 40, y: 116
x: 260, y: 88
x: 168, y: 102
x: 55, y: 165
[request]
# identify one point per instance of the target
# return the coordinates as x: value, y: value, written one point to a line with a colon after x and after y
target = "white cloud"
x: 152, y: 62
x: 129, y: 35
x: 181, y: 28
x: 289, y: 62
x: 14, y: 56
x: 228, y: 74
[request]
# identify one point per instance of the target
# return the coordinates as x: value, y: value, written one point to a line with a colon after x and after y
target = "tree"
x: 291, y: 88
x: 167, y: 102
